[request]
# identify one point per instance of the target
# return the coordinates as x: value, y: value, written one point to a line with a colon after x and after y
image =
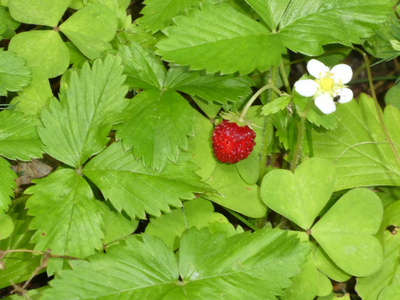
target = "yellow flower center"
x: 327, y: 84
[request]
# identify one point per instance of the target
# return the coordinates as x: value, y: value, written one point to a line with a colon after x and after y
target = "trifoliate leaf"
x: 157, y: 126
x: 242, y: 266
x: 7, y: 184
x: 301, y: 196
x: 143, y: 68
x: 18, y: 136
x: 370, y: 287
x: 346, y: 232
x: 51, y: 55
x: 90, y: 103
x: 67, y: 218
x: 90, y: 29
x: 169, y: 227
x: 158, y: 14
x: 307, y: 25
x: 212, y: 87
x: 358, y: 146
x: 38, y: 12
x: 13, y: 73
x: 219, y: 38
x: 19, y: 266
x: 130, y: 187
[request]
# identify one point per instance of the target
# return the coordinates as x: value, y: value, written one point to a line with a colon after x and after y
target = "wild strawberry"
x: 232, y: 142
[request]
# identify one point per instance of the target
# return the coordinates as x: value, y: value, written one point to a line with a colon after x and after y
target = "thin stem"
x: 284, y: 77
x: 300, y: 131
x: 241, y: 219
x: 255, y: 96
x: 377, y: 106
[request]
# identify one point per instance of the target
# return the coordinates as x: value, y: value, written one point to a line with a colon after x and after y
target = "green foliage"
x: 120, y: 99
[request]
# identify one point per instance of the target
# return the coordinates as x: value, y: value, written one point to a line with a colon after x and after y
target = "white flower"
x: 328, y: 86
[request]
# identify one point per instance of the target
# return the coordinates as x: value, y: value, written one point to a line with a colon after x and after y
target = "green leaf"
x: 301, y: 196
x: 13, y: 73
x: 144, y: 69
x: 114, y: 170
x: 158, y: 14
x: 328, y: 267
x: 244, y: 265
x: 234, y: 193
x: 38, y: 12
x: 157, y: 126
x: 90, y: 103
x: 270, y: 11
x: 7, y: 24
x: 35, y: 96
x: 7, y: 184
x: 219, y: 38
x: 197, y: 213
x: 346, y: 232
x: 90, y: 29
x: 390, y: 293
x: 307, y: 25
x: 370, y: 287
x: 50, y: 55
x: 19, y: 266
x: 277, y: 105
x: 358, y: 146
x: 211, y: 87
x: 7, y: 226
x: 391, y: 96
x: 18, y: 136
x: 67, y: 218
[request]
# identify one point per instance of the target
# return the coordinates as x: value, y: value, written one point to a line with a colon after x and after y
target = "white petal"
x: 342, y: 72
x: 306, y: 87
x: 317, y: 68
x: 325, y: 103
x: 346, y: 95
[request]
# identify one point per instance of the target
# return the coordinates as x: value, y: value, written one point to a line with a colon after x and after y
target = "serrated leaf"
x: 7, y: 184
x: 244, y: 265
x: 139, y: 189
x: 370, y: 287
x: 211, y: 87
x: 19, y: 266
x: 157, y: 126
x: 18, y: 136
x: 320, y: 23
x: 358, y: 146
x: 144, y: 70
x: 346, y: 232
x: 90, y: 103
x: 219, y: 38
x: 169, y: 227
x: 234, y: 193
x: 39, y: 12
x: 301, y: 196
x: 90, y: 29
x: 13, y: 73
x: 270, y: 11
x: 72, y: 226
x: 158, y: 14
x: 51, y: 55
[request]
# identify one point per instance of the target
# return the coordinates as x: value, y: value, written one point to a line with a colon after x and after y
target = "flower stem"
x: 255, y: 96
x: 377, y: 106
x: 300, y: 131
x: 284, y: 78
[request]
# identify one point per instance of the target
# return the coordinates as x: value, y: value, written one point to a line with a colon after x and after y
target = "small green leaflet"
x: 13, y: 73
x: 7, y: 184
x: 157, y: 126
x: 358, y: 146
x: 74, y: 225
x: 90, y: 103
x: 131, y: 187
x: 247, y: 265
x: 18, y: 136
x: 276, y: 105
x: 7, y: 24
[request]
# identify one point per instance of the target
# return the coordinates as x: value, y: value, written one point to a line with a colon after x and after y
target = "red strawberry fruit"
x: 231, y: 142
